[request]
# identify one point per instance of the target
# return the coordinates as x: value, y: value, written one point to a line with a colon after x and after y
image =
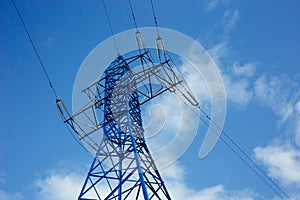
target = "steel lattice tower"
x: 132, y: 168
x: 123, y: 167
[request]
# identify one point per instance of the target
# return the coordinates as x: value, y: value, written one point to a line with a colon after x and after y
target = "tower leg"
x: 131, y: 174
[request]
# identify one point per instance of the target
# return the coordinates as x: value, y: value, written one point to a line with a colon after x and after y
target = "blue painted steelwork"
x: 123, y: 167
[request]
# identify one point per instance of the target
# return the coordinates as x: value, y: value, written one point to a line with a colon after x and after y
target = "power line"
x: 42, y: 65
x: 264, y: 177
x: 110, y: 27
x: 133, y: 16
x: 245, y: 154
x: 241, y: 154
x: 35, y: 49
x: 155, y: 19
x: 224, y: 133
x: 72, y: 135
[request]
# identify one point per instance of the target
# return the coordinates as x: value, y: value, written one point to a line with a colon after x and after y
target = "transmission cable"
x: 232, y: 145
x: 264, y: 177
x: 155, y: 19
x: 35, y: 50
x: 110, y: 27
x: 243, y: 153
x: 245, y: 161
x: 74, y: 137
x: 133, y: 16
x: 44, y: 69
x: 230, y: 139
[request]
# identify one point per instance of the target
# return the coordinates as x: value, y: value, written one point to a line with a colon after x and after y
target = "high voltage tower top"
x: 123, y: 167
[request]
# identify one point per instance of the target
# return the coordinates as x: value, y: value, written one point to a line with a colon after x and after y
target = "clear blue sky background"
x: 259, y: 39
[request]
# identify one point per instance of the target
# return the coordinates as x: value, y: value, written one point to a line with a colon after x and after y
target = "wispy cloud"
x: 66, y: 186
x: 59, y: 186
x: 10, y: 196
x: 181, y: 191
x: 238, y: 83
x: 247, y: 69
x: 238, y: 91
x: 282, y: 161
x: 175, y: 176
x: 236, y: 78
x: 212, y: 4
x: 50, y: 38
x: 297, y: 122
x: 219, y: 51
x: 282, y: 96
x: 2, y: 177
x: 230, y: 19
x: 282, y: 156
x: 170, y: 136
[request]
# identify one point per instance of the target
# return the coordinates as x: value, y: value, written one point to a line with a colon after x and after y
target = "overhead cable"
x: 110, y: 27
x: 237, y: 149
x: 35, y: 49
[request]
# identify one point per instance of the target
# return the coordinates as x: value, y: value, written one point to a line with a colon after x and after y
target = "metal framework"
x: 123, y: 167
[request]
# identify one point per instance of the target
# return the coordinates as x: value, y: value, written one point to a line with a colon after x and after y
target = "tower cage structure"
x: 123, y: 167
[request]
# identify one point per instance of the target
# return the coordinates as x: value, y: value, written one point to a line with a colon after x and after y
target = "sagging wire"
x: 241, y: 154
x: 35, y: 50
x: 239, y: 148
x: 44, y: 69
x: 110, y: 28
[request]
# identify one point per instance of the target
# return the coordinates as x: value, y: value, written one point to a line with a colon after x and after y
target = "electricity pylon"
x: 123, y: 167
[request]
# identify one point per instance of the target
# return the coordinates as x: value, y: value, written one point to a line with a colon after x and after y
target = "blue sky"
x: 255, y: 45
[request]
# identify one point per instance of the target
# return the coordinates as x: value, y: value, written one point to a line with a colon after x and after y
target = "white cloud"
x: 274, y: 93
x: 2, y: 177
x: 59, y: 186
x: 167, y: 141
x: 174, y: 177
x: 282, y: 161
x: 230, y: 19
x: 4, y: 195
x: 236, y: 79
x: 238, y: 84
x: 180, y: 191
x: 297, y: 123
x: 8, y: 196
x: 238, y: 91
x: 219, y: 52
x: 247, y: 69
x: 280, y: 94
x: 283, y: 97
x: 212, y: 4
x: 50, y: 38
